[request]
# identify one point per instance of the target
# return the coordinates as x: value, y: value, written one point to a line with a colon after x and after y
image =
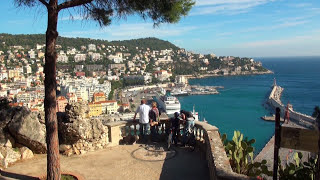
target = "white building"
x: 84, y: 88
x: 80, y: 57
x: 32, y: 54
x: 40, y: 46
x: 27, y: 69
x: 95, y: 56
x: 72, y: 51
x: 92, y: 47
x: 62, y: 58
x: 3, y: 93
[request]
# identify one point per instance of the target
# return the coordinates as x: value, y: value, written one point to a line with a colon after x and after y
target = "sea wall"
x: 274, y: 101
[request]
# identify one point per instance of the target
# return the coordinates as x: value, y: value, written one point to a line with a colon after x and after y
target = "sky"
x: 245, y: 28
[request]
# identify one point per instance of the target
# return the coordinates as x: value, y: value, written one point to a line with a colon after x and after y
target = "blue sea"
x: 241, y: 103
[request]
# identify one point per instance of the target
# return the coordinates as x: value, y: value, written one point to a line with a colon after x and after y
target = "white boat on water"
x: 169, y: 104
x: 178, y: 92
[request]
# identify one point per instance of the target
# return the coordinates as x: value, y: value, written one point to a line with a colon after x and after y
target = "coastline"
x: 219, y: 75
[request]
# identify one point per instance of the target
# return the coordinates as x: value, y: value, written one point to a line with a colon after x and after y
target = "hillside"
x: 30, y: 40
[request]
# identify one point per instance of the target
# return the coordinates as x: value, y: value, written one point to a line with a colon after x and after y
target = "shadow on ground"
x: 6, y: 175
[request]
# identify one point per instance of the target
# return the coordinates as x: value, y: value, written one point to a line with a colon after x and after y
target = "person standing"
x: 175, y: 127
x: 144, y: 124
x: 188, y: 121
x: 154, y: 116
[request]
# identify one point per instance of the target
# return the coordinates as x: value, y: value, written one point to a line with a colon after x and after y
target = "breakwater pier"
x: 295, y: 117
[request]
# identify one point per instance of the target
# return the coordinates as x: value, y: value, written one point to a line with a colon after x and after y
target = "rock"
x: 26, y: 153
x: 27, y: 130
x: 9, y: 156
x: 76, y: 151
x: 83, y: 151
x: 68, y: 152
x: 64, y: 147
x: 5, y: 117
x: 6, y: 140
x: 75, y: 125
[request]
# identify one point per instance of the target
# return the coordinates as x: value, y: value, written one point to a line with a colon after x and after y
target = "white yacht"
x: 178, y: 92
x: 169, y: 104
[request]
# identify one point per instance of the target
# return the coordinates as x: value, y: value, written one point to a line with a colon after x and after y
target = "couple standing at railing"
x: 148, y: 117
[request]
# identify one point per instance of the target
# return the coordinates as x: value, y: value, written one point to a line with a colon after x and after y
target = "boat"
x: 178, y: 92
x: 168, y: 103
x: 195, y: 114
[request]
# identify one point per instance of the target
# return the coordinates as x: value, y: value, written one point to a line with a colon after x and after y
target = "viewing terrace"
x: 126, y: 159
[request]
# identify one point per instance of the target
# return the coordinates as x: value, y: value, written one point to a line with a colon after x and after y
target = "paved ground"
x: 121, y: 162
x: 286, y: 155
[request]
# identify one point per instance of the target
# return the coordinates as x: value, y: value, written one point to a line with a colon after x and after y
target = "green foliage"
x: 67, y: 177
x: 101, y: 80
x: 155, y: 80
x: 133, y: 81
x: 115, y: 85
x: 316, y: 112
x: 30, y: 41
x: 240, y: 154
x: 298, y: 170
x: 144, y: 43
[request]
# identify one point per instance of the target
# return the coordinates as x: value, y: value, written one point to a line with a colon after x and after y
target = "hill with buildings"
x: 94, y: 71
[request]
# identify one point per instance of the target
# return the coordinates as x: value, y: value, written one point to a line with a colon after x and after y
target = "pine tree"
x: 102, y: 11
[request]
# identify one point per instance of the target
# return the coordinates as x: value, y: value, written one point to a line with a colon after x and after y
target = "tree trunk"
x: 53, y: 159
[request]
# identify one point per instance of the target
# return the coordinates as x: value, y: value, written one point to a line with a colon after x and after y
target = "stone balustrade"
x: 208, y: 141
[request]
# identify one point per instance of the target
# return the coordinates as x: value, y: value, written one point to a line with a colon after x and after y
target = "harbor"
x: 194, y: 90
x: 165, y: 95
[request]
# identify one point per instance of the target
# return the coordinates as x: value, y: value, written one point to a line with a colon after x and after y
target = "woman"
x: 154, y: 116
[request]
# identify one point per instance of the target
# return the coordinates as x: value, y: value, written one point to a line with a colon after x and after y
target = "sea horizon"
x: 241, y: 103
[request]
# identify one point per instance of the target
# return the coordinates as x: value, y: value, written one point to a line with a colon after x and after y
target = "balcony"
x: 126, y: 159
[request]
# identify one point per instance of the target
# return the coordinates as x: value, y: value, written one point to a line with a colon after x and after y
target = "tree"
x: 102, y: 11
x: 316, y: 112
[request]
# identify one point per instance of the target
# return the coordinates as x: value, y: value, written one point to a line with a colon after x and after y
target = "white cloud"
x: 229, y: 7
x: 129, y: 31
x: 277, y: 26
x: 301, y: 5
x: 221, y: 2
x: 72, y: 18
x: 278, y: 42
x: 285, y: 24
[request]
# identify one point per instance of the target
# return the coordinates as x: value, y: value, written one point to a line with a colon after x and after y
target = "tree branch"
x: 44, y: 3
x: 72, y: 3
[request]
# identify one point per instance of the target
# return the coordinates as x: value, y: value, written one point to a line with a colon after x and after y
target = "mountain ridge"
x: 32, y: 39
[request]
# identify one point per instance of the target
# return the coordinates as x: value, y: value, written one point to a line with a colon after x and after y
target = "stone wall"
x: 218, y: 162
